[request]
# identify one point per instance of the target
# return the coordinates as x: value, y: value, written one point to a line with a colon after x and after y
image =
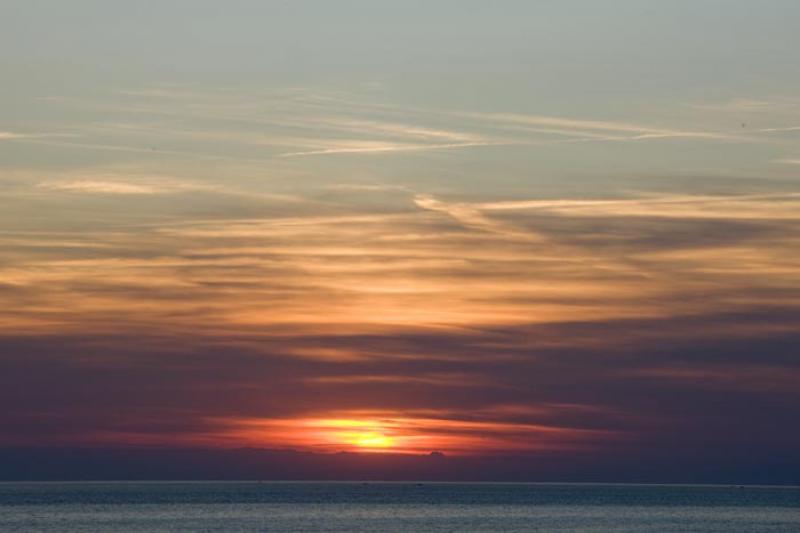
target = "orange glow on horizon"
x: 390, y: 433
x: 368, y: 440
x: 352, y: 434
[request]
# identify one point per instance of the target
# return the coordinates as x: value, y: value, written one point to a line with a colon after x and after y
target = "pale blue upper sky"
x: 615, y: 50
x: 634, y: 61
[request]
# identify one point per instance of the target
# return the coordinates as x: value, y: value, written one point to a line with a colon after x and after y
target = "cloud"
x: 12, y: 136
x: 7, y: 135
x: 637, y: 381
x: 749, y: 105
x: 512, y: 318
x: 757, y: 206
x: 778, y: 130
x: 102, y: 187
x: 365, y: 147
x: 139, y: 186
x: 391, y: 129
x: 367, y: 187
x: 153, y: 151
x: 581, y: 129
x: 589, y: 128
x: 324, y: 125
x: 471, y: 217
x: 412, y: 432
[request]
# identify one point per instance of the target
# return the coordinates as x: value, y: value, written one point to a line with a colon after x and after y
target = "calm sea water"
x: 386, y: 507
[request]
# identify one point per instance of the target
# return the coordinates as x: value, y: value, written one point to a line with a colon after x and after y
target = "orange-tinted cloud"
x: 369, y: 306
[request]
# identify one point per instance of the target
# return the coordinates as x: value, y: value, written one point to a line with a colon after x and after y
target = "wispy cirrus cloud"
x: 749, y: 105
x: 467, y: 303
x: 759, y: 206
x: 6, y: 135
x: 312, y: 126
x: 595, y: 129
x: 16, y: 136
x: 377, y: 147
x: 109, y: 187
x: 472, y: 217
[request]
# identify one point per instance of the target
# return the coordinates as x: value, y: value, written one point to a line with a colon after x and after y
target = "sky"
x: 486, y: 229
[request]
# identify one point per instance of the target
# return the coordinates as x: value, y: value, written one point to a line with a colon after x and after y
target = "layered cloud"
x: 89, y: 186
x: 215, y: 292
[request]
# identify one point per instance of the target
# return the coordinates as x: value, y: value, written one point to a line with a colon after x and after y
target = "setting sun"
x: 408, y: 433
x: 364, y: 434
x: 369, y: 439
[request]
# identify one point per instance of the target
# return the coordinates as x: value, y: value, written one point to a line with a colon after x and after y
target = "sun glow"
x: 391, y: 432
x: 368, y: 439
x: 365, y: 435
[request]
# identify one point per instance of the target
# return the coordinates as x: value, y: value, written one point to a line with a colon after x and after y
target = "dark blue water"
x: 389, y: 507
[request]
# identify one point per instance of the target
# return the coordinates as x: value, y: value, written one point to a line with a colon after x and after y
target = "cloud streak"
x: 422, y: 302
x: 112, y: 187
x: 367, y: 147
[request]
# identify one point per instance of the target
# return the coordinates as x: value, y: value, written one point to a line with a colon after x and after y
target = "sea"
x: 389, y: 507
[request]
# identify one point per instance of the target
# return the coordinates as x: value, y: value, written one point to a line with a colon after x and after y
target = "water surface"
x: 419, y: 507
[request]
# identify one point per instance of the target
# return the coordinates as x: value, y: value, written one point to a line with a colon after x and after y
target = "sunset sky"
x: 480, y: 228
